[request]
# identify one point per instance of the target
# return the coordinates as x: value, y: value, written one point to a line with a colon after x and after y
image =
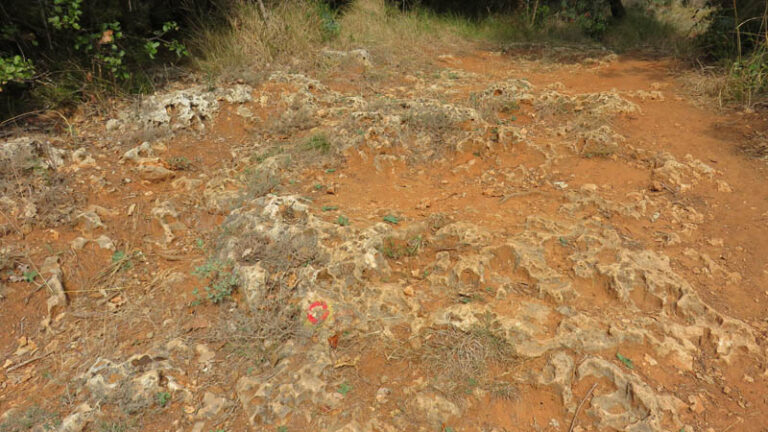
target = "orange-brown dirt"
x: 718, y: 226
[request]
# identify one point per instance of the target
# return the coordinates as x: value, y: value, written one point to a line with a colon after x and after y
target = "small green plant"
x: 16, y: 69
x: 344, y: 388
x: 330, y: 27
x: 222, y: 281
x: 627, y: 362
x: 748, y: 76
x: 162, y: 398
x: 29, y: 276
x: 66, y: 14
x: 282, y: 429
x: 179, y: 163
x: 330, y: 208
x: 509, y: 107
x: 342, y: 220
x: 391, y: 219
x: 394, y: 249
x: 318, y: 142
x: 120, y: 257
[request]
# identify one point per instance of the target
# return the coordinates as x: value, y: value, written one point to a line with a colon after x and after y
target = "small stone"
x: 650, y: 360
x: 723, y: 186
x: 408, y: 291
x: 656, y: 186
x: 748, y: 379
x: 204, y: 353
x: 696, y: 406
x: 105, y: 242
x: 734, y: 278
x: 382, y: 394
x: 155, y: 173
x: 88, y: 221
x: 78, y: 243
x: 423, y: 204
x: 212, y: 405
x: 81, y: 159
x: 76, y: 421
x: 245, y: 112
x: 726, y: 390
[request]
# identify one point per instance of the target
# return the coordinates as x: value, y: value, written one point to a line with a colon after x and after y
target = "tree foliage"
x: 66, y: 46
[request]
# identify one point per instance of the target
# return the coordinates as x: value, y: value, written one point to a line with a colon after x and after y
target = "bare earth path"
x: 553, y: 241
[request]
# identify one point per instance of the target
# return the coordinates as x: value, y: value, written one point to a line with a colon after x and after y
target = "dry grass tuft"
x: 292, y: 33
x: 396, y: 36
x: 297, y: 31
x: 461, y: 361
x: 756, y: 146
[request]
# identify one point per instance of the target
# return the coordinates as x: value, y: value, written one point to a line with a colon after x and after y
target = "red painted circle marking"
x: 318, y: 304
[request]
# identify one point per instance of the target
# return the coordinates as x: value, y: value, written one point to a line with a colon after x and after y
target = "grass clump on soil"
x: 395, y: 249
x: 30, y: 418
x: 221, y: 280
x: 461, y: 361
x: 319, y: 143
x: 293, y: 30
x: 642, y: 30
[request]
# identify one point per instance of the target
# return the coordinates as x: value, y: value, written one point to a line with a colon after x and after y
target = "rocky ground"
x: 553, y: 240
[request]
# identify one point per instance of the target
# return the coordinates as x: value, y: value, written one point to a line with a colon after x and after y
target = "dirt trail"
x: 481, y: 245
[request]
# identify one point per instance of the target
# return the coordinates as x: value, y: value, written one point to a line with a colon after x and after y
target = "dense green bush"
x: 55, y: 51
x: 736, y: 28
x: 737, y: 38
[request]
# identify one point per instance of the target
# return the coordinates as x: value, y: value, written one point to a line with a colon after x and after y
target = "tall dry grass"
x: 297, y: 31
x: 291, y: 32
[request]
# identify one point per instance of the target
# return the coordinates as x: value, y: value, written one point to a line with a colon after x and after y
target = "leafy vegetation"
x: 318, y: 142
x: 342, y: 221
x: 222, y: 280
x: 56, y: 52
x: 627, y: 362
x: 32, y: 417
x: 59, y: 51
x: 162, y: 398
x: 396, y: 249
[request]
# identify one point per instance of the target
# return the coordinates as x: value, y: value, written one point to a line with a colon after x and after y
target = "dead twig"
x: 26, y: 362
x: 578, y: 409
x: 738, y: 420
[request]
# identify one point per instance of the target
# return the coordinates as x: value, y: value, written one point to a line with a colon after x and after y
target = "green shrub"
x: 15, y: 69
x: 71, y: 48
